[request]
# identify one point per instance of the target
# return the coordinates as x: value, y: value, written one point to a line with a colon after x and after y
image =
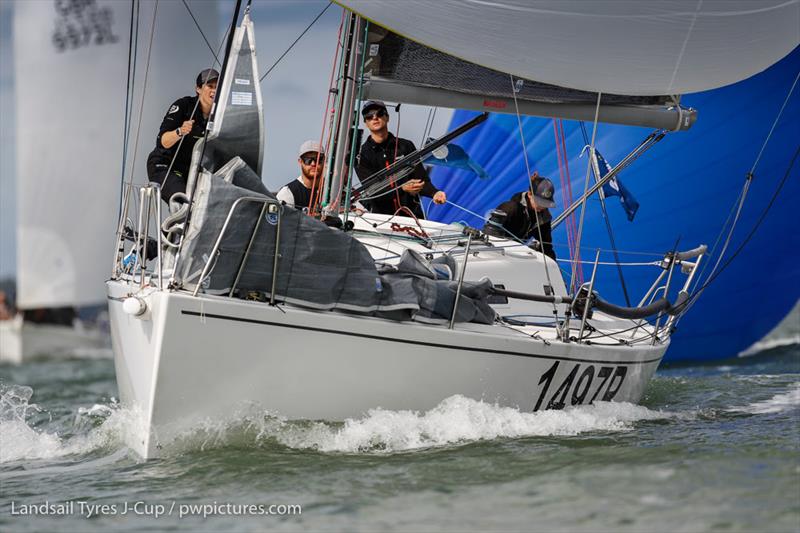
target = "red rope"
x: 316, y: 192
x: 572, y: 220
x: 564, y: 192
x: 411, y: 230
x: 566, y: 188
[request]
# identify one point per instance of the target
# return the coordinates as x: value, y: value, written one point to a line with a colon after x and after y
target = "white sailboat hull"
x: 191, y: 359
x: 22, y: 341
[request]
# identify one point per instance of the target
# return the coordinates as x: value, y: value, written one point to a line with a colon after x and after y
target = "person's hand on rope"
x: 413, y: 186
x: 186, y: 127
x: 440, y: 198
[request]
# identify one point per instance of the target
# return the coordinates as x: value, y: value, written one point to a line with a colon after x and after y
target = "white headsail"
x: 610, y: 46
x: 71, y: 61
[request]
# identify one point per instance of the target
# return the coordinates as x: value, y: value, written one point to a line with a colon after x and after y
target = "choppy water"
x: 711, y: 448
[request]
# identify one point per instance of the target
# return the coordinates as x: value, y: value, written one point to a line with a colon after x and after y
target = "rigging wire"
x: 355, y: 138
x: 566, y: 191
x: 608, y: 225
x: 585, y: 248
x: 349, y: 111
x: 329, y: 115
x: 203, y: 35
x: 566, y: 188
x: 229, y: 44
x: 397, y: 204
x: 295, y: 41
x: 758, y: 223
x: 144, y: 92
x: 428, y: 125
x: 194, y: 110
x: 737, y: 207
x: 133, y: 39
x: 530, y: 184
x: 586, y: 185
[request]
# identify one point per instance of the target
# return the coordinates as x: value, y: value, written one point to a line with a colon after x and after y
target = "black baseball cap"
x: 206, y: 76
x: 369, y: 105
x: 543, y: 191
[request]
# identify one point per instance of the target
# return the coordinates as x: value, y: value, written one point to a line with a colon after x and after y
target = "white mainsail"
x: 71, y: 68
x: 633, y: 48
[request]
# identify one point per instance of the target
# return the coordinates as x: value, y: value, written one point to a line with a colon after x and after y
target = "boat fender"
x: 134, y: 306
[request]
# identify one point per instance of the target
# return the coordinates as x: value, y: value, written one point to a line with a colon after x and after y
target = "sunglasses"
x: 375, y: 114
x: 311, y: 159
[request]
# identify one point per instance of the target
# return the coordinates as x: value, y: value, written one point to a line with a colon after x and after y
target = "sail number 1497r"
x: 609, y: 378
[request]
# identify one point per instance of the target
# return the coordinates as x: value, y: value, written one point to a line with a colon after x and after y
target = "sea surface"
x: 711, y: 448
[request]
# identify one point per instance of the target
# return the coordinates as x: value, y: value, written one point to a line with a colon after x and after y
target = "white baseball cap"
x: 311, y: 146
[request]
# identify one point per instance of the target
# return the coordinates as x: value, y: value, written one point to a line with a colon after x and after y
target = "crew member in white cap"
x: 183, y: 125
x: 526, y: 215
x: 380, y: 150
x: 298, y: 192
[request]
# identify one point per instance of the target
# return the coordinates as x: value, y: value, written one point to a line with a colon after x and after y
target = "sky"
x: 294, y: 95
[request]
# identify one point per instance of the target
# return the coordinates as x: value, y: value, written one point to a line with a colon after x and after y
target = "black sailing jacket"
x: 374, y: 157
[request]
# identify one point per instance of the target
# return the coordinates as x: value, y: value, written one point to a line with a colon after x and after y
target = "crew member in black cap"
x: 526, y: 215
x: 183, y: 125
x: 378, y: 152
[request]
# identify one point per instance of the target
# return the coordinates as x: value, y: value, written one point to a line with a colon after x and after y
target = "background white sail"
x: 71, y: 67
x: 612, y: 46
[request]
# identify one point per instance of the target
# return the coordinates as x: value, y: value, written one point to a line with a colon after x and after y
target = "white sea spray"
x: 779, y: 402
x: 98, y: 426
x: 457, y: 420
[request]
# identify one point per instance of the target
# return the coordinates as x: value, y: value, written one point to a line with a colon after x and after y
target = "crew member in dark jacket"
x: 183, y: 125
x: 378, y: 152
x: 526, y: 215
x: 298, y: 192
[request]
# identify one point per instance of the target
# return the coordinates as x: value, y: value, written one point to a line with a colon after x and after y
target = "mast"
x: 338, y: 164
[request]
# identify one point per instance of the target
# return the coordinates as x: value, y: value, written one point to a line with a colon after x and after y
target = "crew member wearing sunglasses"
x: 379, y: 151
x: 298, y: 193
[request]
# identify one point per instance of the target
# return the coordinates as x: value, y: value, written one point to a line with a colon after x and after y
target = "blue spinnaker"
x: 687, y: 185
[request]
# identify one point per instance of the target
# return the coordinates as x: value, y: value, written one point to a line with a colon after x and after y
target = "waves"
x: 455, y: 421
x: 459, y: 420
x: 778, y: 403
x: 29, y: 433
x: 24, y: 437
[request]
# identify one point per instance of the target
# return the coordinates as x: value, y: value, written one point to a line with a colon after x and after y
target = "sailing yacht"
x: 71, y: 67
x: 254, y: 304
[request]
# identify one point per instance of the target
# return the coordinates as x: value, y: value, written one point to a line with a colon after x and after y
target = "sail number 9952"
x: 579, y: 383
